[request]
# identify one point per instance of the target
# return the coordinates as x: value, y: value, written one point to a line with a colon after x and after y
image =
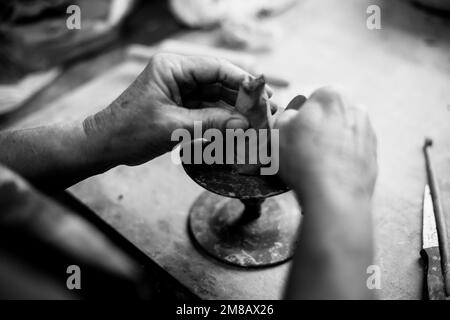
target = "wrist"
x: 342, y: 219
x: 97, y: 144
x: 313, y: 191
x: 118, y: 140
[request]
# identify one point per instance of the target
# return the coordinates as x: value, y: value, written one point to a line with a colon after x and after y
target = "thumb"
x: 218, y: 118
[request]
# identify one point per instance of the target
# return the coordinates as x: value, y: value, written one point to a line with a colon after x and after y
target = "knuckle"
x: 158, y: 58
x: 327, y: 96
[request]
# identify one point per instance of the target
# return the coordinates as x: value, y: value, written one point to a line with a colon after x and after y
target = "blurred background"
x: 37, y: 45
x: 400, y: 72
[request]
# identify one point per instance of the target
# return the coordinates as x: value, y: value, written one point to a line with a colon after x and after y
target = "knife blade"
x: 429, y: 234
x: 430, y: 254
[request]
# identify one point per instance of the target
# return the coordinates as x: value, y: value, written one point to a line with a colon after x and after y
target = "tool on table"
x: 435, y: 243
x: 430, y: 250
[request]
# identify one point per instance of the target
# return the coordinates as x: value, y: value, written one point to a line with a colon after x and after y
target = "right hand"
x: 327, y: 145
x: 173, y: 92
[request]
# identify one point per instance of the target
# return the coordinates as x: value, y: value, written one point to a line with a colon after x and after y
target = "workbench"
x: 400, y: 73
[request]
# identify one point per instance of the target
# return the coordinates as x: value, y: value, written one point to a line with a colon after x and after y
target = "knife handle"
x: 433, y: 273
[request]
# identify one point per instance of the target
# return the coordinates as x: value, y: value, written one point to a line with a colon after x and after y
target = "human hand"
x: 172, y: 92
x: 327, y: 145
x: 328, y: 156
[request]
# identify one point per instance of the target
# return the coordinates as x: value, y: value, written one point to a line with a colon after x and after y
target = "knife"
x: 430, y: 254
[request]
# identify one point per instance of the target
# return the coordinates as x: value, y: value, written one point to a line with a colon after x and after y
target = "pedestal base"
x: 219, y: 226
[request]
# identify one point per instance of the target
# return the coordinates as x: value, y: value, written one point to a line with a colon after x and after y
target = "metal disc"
x: 225, y: 180
x: 217, y: 226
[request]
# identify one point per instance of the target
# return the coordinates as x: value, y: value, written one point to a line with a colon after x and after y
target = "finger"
x: 204, y: 70
x: 269, y: 90
x: 369, y: 131
x: 209, y: 69
x: 352, y: 118
x: 285, y: 117
x: 296, y: 103
x: 273, y: 107
x: 218, y: 118
x: 216, y: 92
x: 329, y: 100
x: 197, y: 104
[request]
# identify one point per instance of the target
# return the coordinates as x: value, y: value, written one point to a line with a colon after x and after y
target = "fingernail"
x: 237, y: 123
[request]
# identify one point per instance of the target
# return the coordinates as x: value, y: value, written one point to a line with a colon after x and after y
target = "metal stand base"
x: 261, y: 233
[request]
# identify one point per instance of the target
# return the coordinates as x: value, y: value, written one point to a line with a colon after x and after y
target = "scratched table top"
x: 401, y: 73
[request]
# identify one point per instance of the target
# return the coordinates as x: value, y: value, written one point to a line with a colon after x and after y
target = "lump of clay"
x: 253, y: 102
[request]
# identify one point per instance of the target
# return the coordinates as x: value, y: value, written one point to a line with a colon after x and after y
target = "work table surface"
x: 400, y: 73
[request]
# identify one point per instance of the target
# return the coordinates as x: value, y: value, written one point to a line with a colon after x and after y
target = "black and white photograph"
x: 224, y: 157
